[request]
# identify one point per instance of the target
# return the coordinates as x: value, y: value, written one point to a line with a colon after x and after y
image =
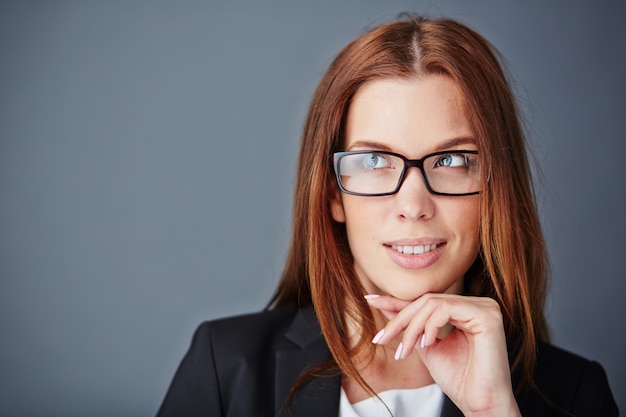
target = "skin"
x: 430, y: 332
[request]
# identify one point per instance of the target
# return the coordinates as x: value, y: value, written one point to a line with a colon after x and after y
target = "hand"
x: 470, y: 364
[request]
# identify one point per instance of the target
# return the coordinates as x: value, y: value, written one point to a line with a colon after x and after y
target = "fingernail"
x: 370, y: 296
x: 423, y: 341
x: 398, y: 354
x: 378, y: 336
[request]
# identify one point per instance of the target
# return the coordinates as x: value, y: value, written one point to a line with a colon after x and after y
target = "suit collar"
x: 320, y: 396
x: 304, y: 328
x: 449, y: 409
x: 307, y: 348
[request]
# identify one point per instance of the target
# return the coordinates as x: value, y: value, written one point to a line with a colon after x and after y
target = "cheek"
x: 363, y: 219
x: 467, y: 217
x: 461, y: 216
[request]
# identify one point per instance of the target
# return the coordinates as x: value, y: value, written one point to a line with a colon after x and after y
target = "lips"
x: 415, y: 254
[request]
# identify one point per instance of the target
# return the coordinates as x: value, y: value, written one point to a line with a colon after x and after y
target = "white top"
x: 417, y: 402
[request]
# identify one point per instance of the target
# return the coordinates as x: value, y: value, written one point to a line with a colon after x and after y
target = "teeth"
x: 414, y: 250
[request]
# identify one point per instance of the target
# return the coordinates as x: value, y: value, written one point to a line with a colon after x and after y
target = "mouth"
x: 415, y: 249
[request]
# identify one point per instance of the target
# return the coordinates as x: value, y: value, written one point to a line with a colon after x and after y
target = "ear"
x: 336, y: 205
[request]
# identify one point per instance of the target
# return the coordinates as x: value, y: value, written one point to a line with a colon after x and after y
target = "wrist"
x: 511, y: 411
x: 506, y: 409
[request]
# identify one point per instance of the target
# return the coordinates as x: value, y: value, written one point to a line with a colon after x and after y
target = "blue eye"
x: 452, y: 160
x: 374, y: 161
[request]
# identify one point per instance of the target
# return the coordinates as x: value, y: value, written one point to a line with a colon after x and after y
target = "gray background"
x: 147, y: 155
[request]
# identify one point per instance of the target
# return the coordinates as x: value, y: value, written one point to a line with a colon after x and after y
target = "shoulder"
x: 570, y: 383
x: 237, y: 357
x: 557, y: 356
x: 251, y: 324
x: 254, y: 334
x: 555, y: 364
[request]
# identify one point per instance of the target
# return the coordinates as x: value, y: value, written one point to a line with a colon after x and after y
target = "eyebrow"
x: 371, y: 144
x: 456, y: 142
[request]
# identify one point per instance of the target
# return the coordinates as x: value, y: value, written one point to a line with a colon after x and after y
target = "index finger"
x: 386, y: 303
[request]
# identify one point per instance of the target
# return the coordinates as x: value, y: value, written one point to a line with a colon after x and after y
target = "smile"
x: 414, y: 250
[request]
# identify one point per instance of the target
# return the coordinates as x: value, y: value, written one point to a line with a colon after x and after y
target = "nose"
x: 414, y: 201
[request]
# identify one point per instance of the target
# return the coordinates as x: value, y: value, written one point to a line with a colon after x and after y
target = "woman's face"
x: 411, y: 117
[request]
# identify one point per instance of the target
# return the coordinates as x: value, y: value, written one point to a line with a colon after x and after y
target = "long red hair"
x: 512, y: 266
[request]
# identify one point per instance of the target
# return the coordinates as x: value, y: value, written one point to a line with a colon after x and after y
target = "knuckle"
x: 493, y: 305
x: 492, y: 302
x: 430, y: 299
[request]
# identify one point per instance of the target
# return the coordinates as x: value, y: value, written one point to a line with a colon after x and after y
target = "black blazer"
x: 245, y: 366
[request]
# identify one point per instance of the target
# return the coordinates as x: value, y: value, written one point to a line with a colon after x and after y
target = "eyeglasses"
x: 378, y: 173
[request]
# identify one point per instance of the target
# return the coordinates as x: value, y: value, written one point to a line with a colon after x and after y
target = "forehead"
x: 410, y: 115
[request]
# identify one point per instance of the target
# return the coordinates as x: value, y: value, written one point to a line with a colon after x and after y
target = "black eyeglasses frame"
x: 408, y: 163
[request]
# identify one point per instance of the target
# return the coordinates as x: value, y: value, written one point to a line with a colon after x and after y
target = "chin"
x: 412, y: 294
x: 407, y: 295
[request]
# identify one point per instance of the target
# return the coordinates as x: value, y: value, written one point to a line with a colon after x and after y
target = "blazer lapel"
x: 306, y: 347
x: 449, y: 409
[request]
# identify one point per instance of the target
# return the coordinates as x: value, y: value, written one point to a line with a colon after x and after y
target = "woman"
x: 417, y: 271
